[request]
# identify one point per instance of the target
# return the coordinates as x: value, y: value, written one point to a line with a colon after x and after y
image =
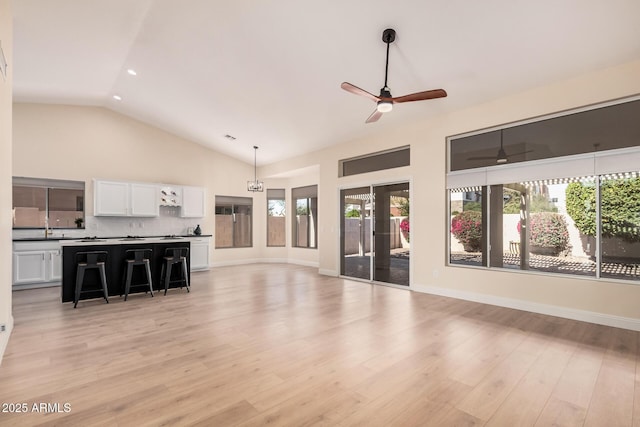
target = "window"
x: 554, y: 225
x: 574, y: 210
x: 389, y: 159
x: 233, y: 222
x: 40, y: 203
x: 305, y: 221
x: 276, y: 226
x: 594, y: 130
x: 465, y: 222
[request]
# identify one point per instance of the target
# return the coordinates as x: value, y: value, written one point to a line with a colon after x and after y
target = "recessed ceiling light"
x: 117, y: 97
x: 132, y: 72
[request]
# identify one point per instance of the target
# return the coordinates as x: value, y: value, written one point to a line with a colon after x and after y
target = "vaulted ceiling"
x: 269, y: 72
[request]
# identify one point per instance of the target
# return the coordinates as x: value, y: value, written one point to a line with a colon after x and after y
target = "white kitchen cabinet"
x: 110, y: 198
x: 144, y: 200
x: 193, y: 202
x: 199, y: 257
x: 115, y: 198
x: 37, y: 262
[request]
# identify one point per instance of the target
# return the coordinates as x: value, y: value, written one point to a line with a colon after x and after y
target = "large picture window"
x: 305, y: 221
x: 40, y: 203
x: 233, y: 222
x: 565, y: 199
x: 554, y: 226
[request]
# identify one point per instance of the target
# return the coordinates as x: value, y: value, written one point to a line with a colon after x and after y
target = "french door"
x: 375, y: 233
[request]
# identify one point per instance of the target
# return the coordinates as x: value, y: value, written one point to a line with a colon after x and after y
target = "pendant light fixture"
x: 255, y: 185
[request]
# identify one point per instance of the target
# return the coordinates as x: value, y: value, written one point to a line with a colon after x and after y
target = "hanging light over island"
x: 255, y: 185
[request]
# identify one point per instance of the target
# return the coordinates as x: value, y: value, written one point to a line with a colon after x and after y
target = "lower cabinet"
x: 37, y: 263
x: 199, y: 253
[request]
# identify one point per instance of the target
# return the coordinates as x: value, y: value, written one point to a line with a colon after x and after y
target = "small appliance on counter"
x: 197, y: 231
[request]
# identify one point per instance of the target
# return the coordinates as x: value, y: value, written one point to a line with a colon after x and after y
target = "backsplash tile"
x: 169, y: 222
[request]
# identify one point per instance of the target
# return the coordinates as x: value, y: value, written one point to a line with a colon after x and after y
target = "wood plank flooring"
x: 281, y: 345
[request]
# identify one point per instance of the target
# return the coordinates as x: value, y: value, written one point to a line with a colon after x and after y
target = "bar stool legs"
x: 175, y: 256
x: 137, y: 257
x: 86, y: 261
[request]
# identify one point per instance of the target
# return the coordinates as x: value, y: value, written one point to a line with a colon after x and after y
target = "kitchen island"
x: 115, y: 266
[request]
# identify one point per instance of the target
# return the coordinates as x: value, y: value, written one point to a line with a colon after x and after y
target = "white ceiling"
x: 269, y: 72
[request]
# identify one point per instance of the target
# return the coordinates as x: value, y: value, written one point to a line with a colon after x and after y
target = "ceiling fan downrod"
x: 388, y: 36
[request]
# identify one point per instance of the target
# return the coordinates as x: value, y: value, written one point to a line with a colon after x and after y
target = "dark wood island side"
x: 115, y: 266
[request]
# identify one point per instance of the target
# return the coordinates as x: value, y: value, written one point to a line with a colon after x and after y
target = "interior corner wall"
x: 6, y: 41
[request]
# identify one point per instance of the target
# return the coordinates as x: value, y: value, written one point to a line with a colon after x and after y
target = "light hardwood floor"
x: 282, y: 345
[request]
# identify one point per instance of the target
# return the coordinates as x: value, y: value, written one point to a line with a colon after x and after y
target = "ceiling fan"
x: 502, y: 156
x: 385, y: 101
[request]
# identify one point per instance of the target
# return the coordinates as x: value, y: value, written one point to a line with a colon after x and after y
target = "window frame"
x: 233, y: 202
x: 47, y: 185
x: 310, y: 195
x: 597, y: 165
x: 277, y: 194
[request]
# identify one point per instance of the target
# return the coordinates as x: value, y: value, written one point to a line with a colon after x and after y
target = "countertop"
x: 103, y: 239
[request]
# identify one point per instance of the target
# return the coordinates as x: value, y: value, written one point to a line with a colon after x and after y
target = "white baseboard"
x: 327, y: 272
x: 4, y: 337
x: 265, y: 261
x: 551, y: 310
x: 243, y: 261
x: 303, y: 263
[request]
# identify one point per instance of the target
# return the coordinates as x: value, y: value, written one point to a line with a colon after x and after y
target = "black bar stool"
x: 135, y: 257
x: 174, y: 256
x: 87, y: 261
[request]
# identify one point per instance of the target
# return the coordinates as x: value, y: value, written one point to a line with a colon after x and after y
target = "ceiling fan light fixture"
x: 385, y: 106
x: 502, y: 157
x: 384, y: 102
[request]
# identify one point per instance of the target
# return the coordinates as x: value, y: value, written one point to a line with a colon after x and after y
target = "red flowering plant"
x: 548, y: 230
x: 467, y: 228
x: 404, y: 228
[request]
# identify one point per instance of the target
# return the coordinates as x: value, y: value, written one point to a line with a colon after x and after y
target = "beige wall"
x: 82, y: 143
x: 428, y: 202
x: 5, y: 175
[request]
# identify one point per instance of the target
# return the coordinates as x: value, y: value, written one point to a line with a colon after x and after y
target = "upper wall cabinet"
x: 112, y: 198
x: 193, y: 202
x: 144, y: 200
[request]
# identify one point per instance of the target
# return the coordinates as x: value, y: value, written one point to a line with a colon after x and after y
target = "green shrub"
x: 620, y: 210
x: 352, y: 213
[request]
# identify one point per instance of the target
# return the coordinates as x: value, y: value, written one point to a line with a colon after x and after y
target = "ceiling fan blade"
x: 520, y: 153
x: 356, y: 90
x: 482, y: 158
x: 421, y: 96
x: 374, y: 116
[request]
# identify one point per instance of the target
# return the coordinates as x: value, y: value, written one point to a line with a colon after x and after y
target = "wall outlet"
x: 3, y: 328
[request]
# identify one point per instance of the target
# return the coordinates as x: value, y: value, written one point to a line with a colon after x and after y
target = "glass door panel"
x: 355, y: 233
x: 391, y: 233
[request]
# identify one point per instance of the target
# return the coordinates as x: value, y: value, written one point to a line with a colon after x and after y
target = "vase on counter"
x: 197, y: 230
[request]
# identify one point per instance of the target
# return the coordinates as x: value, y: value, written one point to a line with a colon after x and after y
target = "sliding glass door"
x: 375, y: 233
